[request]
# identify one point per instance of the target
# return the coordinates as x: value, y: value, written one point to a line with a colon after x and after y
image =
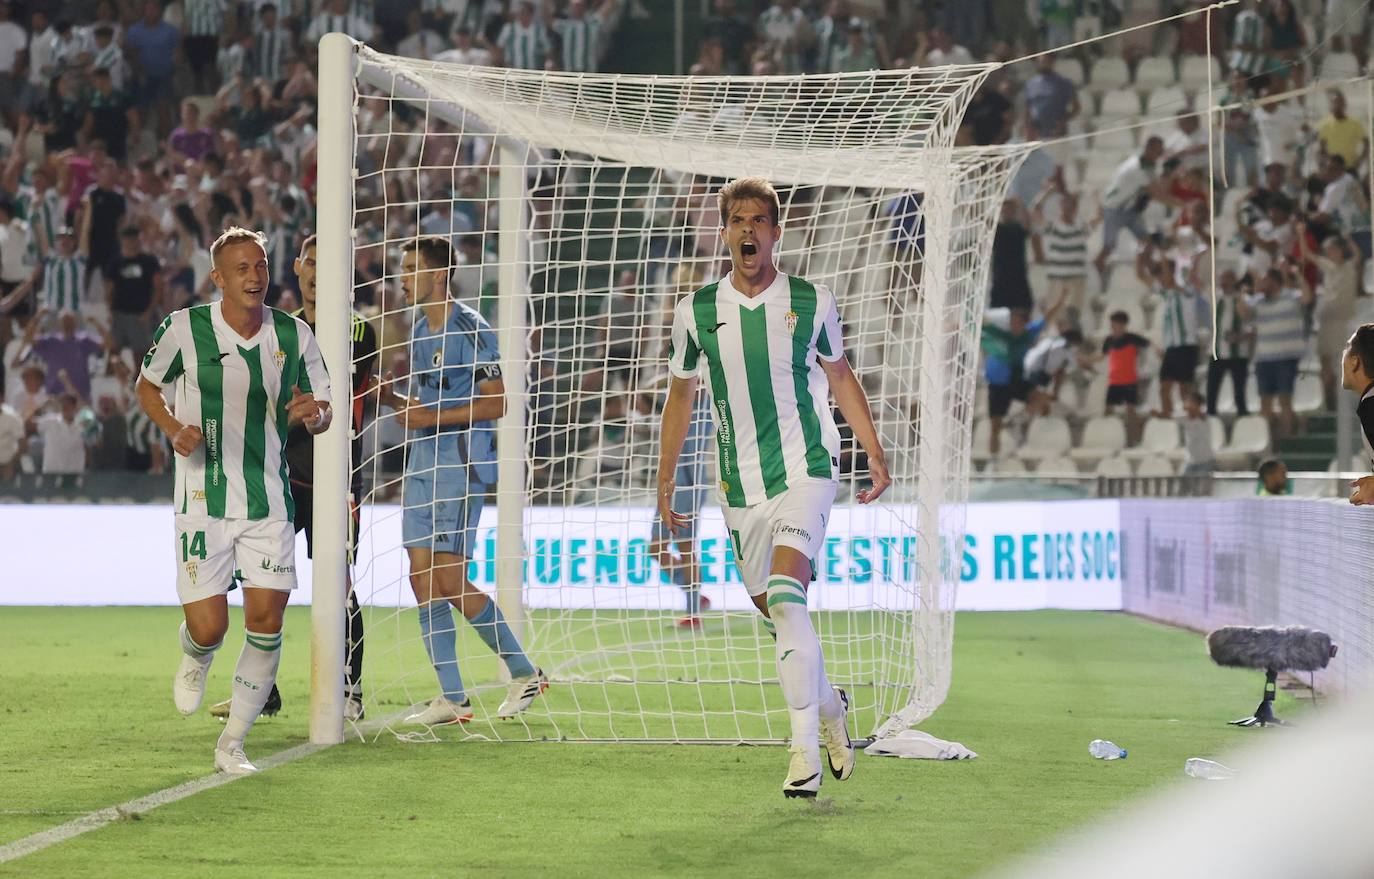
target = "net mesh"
x: 615, y: 220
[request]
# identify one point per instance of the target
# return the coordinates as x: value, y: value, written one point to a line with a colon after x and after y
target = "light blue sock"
x: 441, y: 643
x: 491, y: 627
x: 693, y: 592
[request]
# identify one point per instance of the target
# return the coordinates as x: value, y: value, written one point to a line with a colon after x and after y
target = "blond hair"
x: 747, y: 187
x: 236, y: 235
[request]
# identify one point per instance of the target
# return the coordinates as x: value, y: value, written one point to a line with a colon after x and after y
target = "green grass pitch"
x: 88, y: 723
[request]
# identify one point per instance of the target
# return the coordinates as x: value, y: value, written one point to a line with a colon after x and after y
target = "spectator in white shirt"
x: 336, y: 18
x: 944, y: 51
x: 64, y: 441
x: 1188, y: 143
x: 11, y: 439
x: 1267, y: 239
x: 1124, y: 203
x: 465, y: 51
x: 1281, y: 127
x: 421, y: 42
x: 13, y: 40
x: 41, y: 36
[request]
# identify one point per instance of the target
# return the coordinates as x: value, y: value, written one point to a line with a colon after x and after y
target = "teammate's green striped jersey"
x: 770, y: 397
x: 64, y: 283
x: 236, y: 391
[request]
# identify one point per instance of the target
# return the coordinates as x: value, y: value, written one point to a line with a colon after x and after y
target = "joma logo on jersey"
x: 277, y: 569
x: 212, y: 448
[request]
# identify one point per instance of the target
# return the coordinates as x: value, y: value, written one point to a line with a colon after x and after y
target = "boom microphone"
x: 1287, y: 648
x: 1272, y: 649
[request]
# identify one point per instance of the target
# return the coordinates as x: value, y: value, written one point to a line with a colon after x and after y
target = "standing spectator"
x: 1281, y: 125
x: 1126, y: 199
x: 1122, y: 350
x: 31, y: 400
x: 731, y: 31
x: 465, y: 51
x: 1046, y: 366
x: 787, y: 35
x: 1286, y: 41
x: 42, y: 35
x: 420, y: 41
x: 191, y: 140
x: 152, y: 44
x: 1010, y: 274
x: 1056, y: 21
x: 1051, y: 101
x: 63, y: 274
x: 1342, y: 136
x: 108, y: 56
x: 1183, y: 309
x: 204, y: 24
x: 1004, y: 364
x: 1266, y: 239
x: 11, y: 439
x: 336, y: 17
x: 944, y: 50
x: 579, y: 36
x: 856, y: 53
x: 1061, y: 245
x: 1240, y: 136
x: 1279, y: 344
x: 1234, y: 347
x: 111, y: 448
x: 524, y: 42
x: 989, y: 118
x: 110, y: 116
x: 270, y: 42
x: 132, y: 288
x: 15, y: 241
x: 66, y: 353
x: 1187, y: 144
x: 102, y: 214
x: 1197, y: 436
x: 1248, y: 41
x: 64, y: 439
x: 61, y: 115
x: 1343, y: 205
x: 1336, y: 301
x: 13, y: 40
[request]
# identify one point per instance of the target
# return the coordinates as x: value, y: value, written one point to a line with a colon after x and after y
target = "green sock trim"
x: 768, y: 624
x: 264, y: 642
x: 190, y: 646
x: 785, y: 598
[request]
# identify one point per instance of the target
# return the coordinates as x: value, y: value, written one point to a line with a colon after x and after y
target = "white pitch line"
x: 101, y: 817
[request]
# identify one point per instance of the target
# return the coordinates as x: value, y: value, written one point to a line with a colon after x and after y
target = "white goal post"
x: 584, y: 205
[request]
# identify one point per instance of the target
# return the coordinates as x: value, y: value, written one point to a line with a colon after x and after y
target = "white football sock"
x: 799, y: 657
x: 198, y: 652
x: 253, y: 679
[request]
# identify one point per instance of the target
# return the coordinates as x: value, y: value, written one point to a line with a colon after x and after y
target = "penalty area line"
x: 137, y: 807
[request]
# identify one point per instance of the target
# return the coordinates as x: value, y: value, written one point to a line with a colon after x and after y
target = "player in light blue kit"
x: 457, y: 394
x: 689, y: 495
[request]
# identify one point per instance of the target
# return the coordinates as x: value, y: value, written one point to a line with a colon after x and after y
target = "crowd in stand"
x: 133, y: 132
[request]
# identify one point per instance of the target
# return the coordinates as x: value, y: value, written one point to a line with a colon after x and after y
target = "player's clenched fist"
x: 187, y: 440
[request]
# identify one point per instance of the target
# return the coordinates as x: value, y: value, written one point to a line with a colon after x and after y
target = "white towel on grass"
x: 919, y: 745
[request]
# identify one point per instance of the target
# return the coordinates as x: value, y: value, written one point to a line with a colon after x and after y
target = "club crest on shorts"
x: 724, y: 487
x: 791, y: 320
x: 192, y: 571
x: 279, y: 358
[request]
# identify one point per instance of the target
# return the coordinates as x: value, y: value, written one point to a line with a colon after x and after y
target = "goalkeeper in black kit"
x: 300, y: 458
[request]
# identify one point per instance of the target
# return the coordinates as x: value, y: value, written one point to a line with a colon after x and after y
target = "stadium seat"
x: 1114, y: 467
x: 1071, y: 69
x: 1218, y: 431
x: 1192, y: 73
x: 1112, y: 141
x: 1308, y: 394
x: 1095, y: 397
x: 1336, y: 65
x: 1249, y: 438
x: 1156, y: 465
x: 1005, y: 466
x: 1103, y: 436
x: 1226, y: 405
x: 1060, y: 466
x: 1358, y: 463
x: 1166, y: 101
x: 1110, y: 73
x: 1119, y: 105
x: 1047, y: 437
x: 1161, y: 438
x: 1154, y: 72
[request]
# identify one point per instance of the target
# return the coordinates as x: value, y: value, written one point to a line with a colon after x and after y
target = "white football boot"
x: 839, y: 750
x: 233, y: 762
x: 441, y: 711
x: 803, y: 772
x: 188, y: 687
x: 521, y: 693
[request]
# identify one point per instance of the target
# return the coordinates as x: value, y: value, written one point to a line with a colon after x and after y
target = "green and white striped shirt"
x: 64, y: 283
x: 770, y: 398
x: 524, y: 47
x: 236, y: 391
x: 1182, y: 313
x: 581, y: 39
x: 204, y: 18
x: 1247, y: 30
x: 46, y: 213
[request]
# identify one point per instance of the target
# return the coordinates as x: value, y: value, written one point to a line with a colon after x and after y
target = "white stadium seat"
x: 1218, y: 431
x: 1156, y: 465
x: 1154, y: 72
x: 1249, y: 438
x: 1005, y: 466
x: 1071, y: 69
x: 1047, y: 437
x: 1161, y: 438
x: 1120, y: 105
x: 1192, y: 73
x: 1116, y: 467
x: 1308, y: 394
x: 1110, y: 73
x: 1167, y: 101
x: 1226, y: 401
x: 1337, y: 65
x: 1114, y: 142
x: 1060, y: 466
x: 1103, y: 436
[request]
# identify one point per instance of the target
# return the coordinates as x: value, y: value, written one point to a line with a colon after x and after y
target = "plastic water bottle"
x: 1104, y: 750
x: 1196, y: 767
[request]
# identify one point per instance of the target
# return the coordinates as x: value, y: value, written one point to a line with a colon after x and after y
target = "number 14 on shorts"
x: 192, y: 544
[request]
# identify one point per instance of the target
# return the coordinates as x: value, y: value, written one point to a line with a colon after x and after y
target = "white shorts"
x: 210, y: 551
x: 795, y: 518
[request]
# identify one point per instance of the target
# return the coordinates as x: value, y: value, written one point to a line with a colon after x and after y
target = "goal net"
x: 581, y: 208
